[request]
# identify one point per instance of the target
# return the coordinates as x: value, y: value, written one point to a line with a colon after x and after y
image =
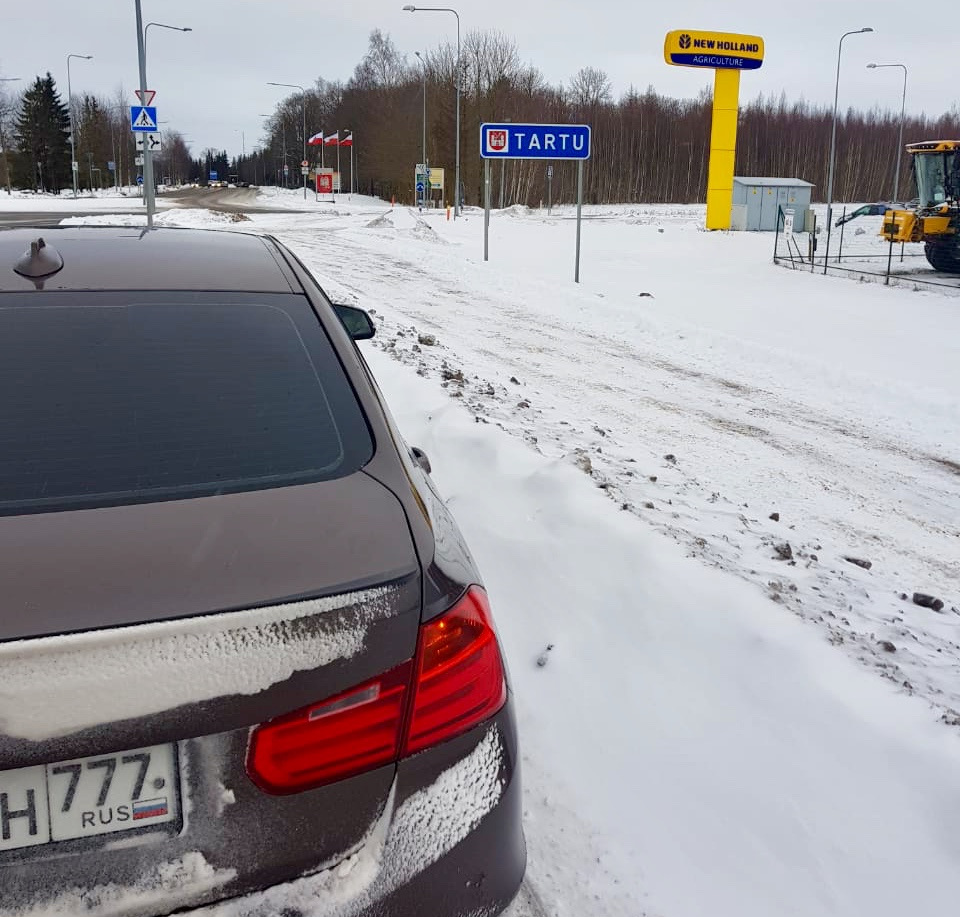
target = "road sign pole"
x: 576, y: 270
x: 534, y: 141
x: 147, y: 155
x: 486, y: 210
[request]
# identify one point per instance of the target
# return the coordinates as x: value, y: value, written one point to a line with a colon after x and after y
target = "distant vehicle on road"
x: 245, y: 652
x: 867, y: 210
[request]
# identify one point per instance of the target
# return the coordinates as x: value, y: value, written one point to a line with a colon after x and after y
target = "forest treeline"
x: 647, y: 147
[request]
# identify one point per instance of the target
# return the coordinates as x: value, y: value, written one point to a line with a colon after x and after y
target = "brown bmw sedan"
x: 247, y: 665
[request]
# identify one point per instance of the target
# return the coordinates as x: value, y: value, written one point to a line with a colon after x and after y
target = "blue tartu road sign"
x: 143, y: 118
x: 139, y: 179
x: 213, y: 176
x: 535, y: 141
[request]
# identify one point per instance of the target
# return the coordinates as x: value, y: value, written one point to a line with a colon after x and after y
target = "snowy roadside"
x: 109, y: 200
x: 686, y: 749
x: 779, y: 427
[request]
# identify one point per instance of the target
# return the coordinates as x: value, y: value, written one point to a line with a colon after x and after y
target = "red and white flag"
x: 332, y: 140
x: 348, y: 140
x: 316, y: 139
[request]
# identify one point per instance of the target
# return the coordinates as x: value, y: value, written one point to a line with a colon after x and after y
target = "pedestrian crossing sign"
x: 143, y: 118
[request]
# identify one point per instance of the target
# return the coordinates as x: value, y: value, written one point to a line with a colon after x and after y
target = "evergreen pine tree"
x: 43, y: 138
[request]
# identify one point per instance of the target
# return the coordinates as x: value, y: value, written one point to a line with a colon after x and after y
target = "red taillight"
x: 355, y: 731
x: 459, y: 678
x: 458, y: 682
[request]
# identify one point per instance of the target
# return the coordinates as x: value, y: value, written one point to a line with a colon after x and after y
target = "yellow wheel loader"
x: 936, y: 219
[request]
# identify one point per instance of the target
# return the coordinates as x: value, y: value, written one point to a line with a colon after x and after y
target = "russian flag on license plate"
x: 150, y: 808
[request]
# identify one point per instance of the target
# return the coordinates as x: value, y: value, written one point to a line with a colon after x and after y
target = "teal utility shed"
x: 755, y: 201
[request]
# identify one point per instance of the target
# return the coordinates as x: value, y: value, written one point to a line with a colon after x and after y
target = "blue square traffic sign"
x: 143, y: 118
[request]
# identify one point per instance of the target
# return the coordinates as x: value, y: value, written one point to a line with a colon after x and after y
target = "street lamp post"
x: 446, y: 9
x: 73, y: 127
x: 423, y: 147
x: 277, y: 172
x: 3, y: 144
x: 833, y: 144
x: 148, y: 188
x: 303, y: 93
x: 903, y: 109
x: 243, y: 148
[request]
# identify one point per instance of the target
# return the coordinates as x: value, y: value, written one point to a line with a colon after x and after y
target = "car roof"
x: 135, y: 258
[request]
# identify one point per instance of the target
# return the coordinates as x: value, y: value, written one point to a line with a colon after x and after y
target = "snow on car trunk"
x: 54, y: 686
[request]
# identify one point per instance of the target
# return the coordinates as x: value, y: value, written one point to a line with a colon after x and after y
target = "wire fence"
x: 857, y: 249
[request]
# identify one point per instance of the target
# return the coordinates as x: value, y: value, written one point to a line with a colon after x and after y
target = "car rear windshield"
x: 112, y: 398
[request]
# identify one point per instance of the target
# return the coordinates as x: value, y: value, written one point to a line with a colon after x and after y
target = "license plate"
x: 88, y: 796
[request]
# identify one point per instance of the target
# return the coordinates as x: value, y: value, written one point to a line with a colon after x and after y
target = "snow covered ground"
x: 107, y: 200
x: 662, y: 472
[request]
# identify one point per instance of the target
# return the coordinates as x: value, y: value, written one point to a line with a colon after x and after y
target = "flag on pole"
x: 348, y: 140
x: 316, y: 139
x: 332, y: 140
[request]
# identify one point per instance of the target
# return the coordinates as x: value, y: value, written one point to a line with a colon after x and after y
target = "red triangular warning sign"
x: 146, y: 98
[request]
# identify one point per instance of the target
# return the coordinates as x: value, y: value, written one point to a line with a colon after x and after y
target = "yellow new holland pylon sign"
x: 726, y: 54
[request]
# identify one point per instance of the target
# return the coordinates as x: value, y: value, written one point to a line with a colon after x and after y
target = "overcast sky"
x: 211, y: 82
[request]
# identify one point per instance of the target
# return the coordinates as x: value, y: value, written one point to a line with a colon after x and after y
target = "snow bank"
x: 402, y: 221
x: 106, y: 200
x: 58, y: 685
x: 293, y: 199
x: 689, y: 749
x: 195, y: 217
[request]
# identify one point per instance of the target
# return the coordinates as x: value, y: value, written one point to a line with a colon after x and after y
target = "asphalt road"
x: 226, y: 200
x: 19, y: 218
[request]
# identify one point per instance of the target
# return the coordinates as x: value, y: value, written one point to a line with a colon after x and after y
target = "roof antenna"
x: 41, y: 261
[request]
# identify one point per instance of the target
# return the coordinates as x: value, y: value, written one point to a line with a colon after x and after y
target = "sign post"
x: 143, y: 121
x: 421, y: 181
x: 726, y: 55
x: 486, y: 209
x: 143, y: 96
x: 576, y: 272
x: 534, y: 141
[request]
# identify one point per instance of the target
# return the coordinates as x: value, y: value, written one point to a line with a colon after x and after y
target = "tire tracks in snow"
x: 616, y: 405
